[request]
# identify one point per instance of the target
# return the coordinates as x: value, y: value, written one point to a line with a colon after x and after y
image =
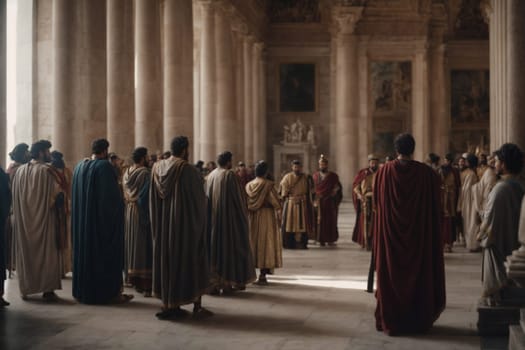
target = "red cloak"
x: 328, y: 206
x: 408, y: 248
x: 358, y: 235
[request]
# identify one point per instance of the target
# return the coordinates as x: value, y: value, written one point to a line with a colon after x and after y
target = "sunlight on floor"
x: 343, y: 282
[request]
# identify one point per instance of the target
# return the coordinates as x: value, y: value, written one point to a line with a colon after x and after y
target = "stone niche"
x: 318, y: 117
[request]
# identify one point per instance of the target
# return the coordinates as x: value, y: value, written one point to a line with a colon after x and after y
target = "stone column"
x: 347, y: 91
x: 148, y: 98
x: 3, y: 116
x: 29, y: 60
x: 420, y: 110
x: 239, y: 28
x: 438, y: 98
x: 178, y: 70
x: 248, y: 98
x: 262, y: 140
x: 333, y: 92
x: 496, y: 16
x: 256, y: 110
x: 226, y: 108
x: 92, y: 75
x: 63, y: 104
x: 121, y: 72
x: 196, y: 81
x: 516, y: 72
x: 208, y: 91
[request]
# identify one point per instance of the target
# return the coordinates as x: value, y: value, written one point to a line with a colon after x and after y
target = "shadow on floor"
x: 21, y: 330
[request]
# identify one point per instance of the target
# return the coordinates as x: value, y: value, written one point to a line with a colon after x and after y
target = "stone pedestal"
x: 495, y: 320
x: 285, y: 153
x: 517, y: 334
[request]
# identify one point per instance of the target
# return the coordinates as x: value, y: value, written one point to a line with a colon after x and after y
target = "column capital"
x: 225, y: 8
x: 345, y: 18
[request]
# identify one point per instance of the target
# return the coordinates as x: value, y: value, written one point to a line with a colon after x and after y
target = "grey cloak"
x: 178, y: 225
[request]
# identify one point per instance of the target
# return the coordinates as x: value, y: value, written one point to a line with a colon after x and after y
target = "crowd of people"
x: 158, y: 224
x: 178, y: 231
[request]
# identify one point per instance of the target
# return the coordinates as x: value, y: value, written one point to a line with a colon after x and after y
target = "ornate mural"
x: 469, y: 110
x: 391, y: 100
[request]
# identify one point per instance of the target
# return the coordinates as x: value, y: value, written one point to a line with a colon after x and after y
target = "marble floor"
x: 317, y: 301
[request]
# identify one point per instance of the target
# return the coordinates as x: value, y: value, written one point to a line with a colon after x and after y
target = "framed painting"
x: 297, y: 87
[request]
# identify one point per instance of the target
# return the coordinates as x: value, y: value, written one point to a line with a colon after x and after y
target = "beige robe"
x: 296, y: 192
x: 499, y: 231
x: 481, y: 190
x: 38, y: 259
x: 266, y: 240
x: 467, y: 208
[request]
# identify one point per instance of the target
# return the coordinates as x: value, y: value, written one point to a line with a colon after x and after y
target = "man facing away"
x: 97, y: 225
x: 470, y: 219
x: 295, y: 189
x: 36, y: 195
x: 499, y: 228
x: 450, y: 186
x: 137, y: 229
x: 263, y: 208
x: 407, y: 244
x: 328, y: 196
x: 178, y: 224
x: 231, y: 259
x: 362, y: 192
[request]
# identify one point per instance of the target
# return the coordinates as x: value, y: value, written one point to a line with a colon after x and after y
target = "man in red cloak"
x: 407, y: 242
x: 328, y: 196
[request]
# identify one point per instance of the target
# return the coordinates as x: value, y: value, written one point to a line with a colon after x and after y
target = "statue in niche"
x: 470, y: 23
x: 310, y: 136
x: 287, y: 134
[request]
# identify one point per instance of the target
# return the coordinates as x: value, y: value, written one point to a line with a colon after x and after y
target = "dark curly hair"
x: 404, y: 144
x: 39, y: 146
x: 19, y: 153
x: 261, y: 168
x: 99, y: 145
x: 224, y: 158
x: 138, y: 154
x: 179, y: 144
x: 512, y: 156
